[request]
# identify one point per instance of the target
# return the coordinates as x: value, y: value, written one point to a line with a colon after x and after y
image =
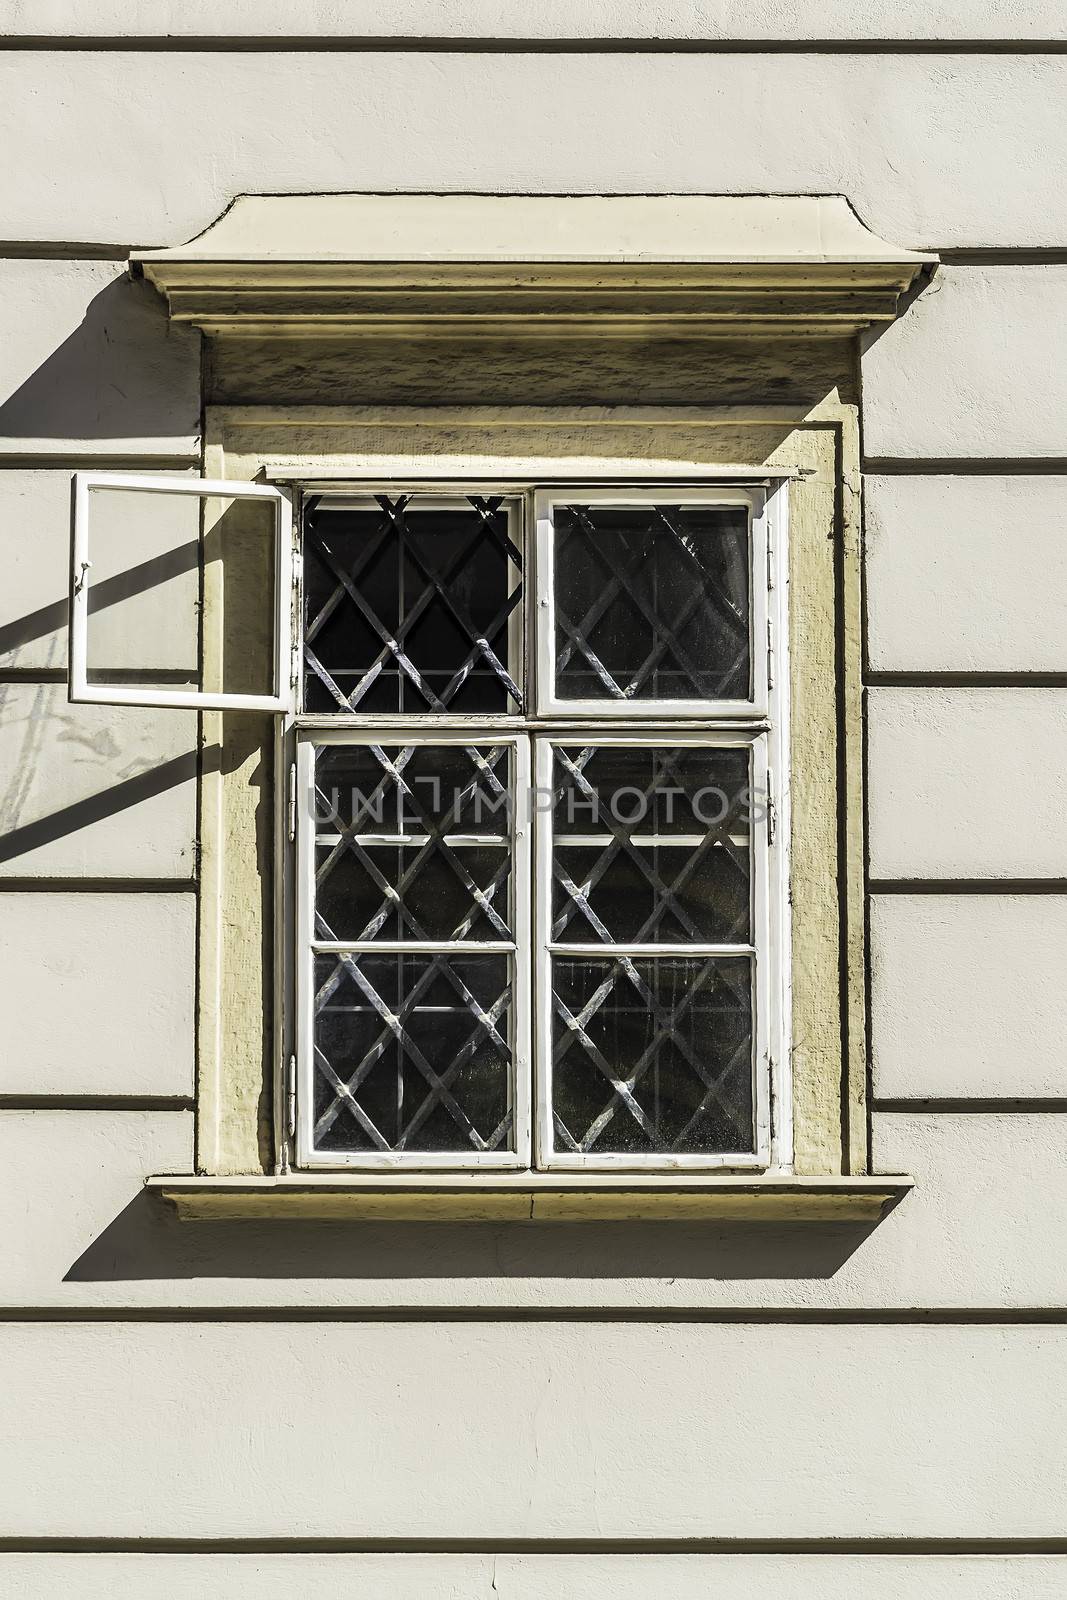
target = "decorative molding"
x: 533, y: 266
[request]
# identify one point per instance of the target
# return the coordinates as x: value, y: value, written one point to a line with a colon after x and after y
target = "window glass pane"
x: 652, y: 1055
x: 652, y: 602
x: 413, y: 842
x: 651, y: 845
x: 412, y: 1053
x: 411, y: 607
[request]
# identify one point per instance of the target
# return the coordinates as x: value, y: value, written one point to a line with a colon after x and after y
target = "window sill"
x: 532, y: 1197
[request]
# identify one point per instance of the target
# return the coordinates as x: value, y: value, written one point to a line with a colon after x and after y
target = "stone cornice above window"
x: 678, y: 265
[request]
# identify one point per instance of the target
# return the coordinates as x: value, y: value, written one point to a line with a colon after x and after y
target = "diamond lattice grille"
x: 410, y: 607
x: 413, y: 1046
x: 652, y: 602
x: 651, y: 1055
x: 413, y: 842
x: 412, y: 1052
x: 651, y: 845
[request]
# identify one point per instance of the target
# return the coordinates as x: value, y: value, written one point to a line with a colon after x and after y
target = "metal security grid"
x: 414, y: 936
x: 413, y: 602
x: 615, y: 998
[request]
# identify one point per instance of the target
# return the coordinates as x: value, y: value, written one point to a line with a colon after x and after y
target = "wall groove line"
x: 96, y: 1102
x: 1052, y: 1545
x: 445, y: 44
x: 752, y: 1316
x: 967, y: 886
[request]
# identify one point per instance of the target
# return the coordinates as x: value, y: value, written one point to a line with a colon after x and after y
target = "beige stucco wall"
x: 577, y: 1411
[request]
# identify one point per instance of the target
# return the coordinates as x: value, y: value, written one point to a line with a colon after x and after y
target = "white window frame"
x: 761, y: 723
x: 79, y: 686
x: 549, y: 703
x: 518, y: 951
x: 763, y: 952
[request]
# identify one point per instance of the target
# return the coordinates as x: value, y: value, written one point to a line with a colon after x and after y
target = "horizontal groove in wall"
x: 97, y: 886
x: 93, y: 250
x: 963, y: 466
x: 96, y: 1102
x: 965, y: 680
x: 1053, y: 1545
x: 967, y: 886
x: 72, y: 461
x: 103, y: 675
x: 955, y: 1106
x: 1005, y: 256
x: 60, y: 249
x: 449, y: 44
x: 744, y: 1316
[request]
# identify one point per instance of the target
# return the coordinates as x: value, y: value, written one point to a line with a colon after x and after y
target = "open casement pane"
x: 655, y: 602
x: 654, y: 920
x: 413, y: 957
x: 412, y: 605
x: 143, y: 547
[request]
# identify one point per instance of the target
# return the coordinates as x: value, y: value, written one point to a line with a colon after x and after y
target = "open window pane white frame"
x: 764, y: 952
x: 517, y: 950
x: 550, y: 703
x: 81, y: 689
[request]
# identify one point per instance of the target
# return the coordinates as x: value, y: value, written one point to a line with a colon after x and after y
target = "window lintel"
x: 533, y: 265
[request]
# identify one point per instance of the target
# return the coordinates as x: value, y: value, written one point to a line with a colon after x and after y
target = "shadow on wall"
x: 125, y: 372
x: 147, y: 1241
x: 138, y: 579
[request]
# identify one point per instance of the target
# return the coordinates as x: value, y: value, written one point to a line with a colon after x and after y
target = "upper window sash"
x: 679, y: 626
x: 82, y: 688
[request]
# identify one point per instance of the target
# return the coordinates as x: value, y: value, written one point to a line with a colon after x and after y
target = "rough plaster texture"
x: 932, y: 150
x: 97, y: 993
x: 967, y: 783
x: 976, y: 368
x: 967, y: 996
x: 966, y: 574
x: 546, y: 19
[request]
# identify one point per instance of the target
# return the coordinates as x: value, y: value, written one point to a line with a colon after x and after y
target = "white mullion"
x: 543, y: 798
x: 304, y: 963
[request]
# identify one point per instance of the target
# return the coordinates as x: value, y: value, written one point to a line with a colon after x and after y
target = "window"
x: 539, y: 873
